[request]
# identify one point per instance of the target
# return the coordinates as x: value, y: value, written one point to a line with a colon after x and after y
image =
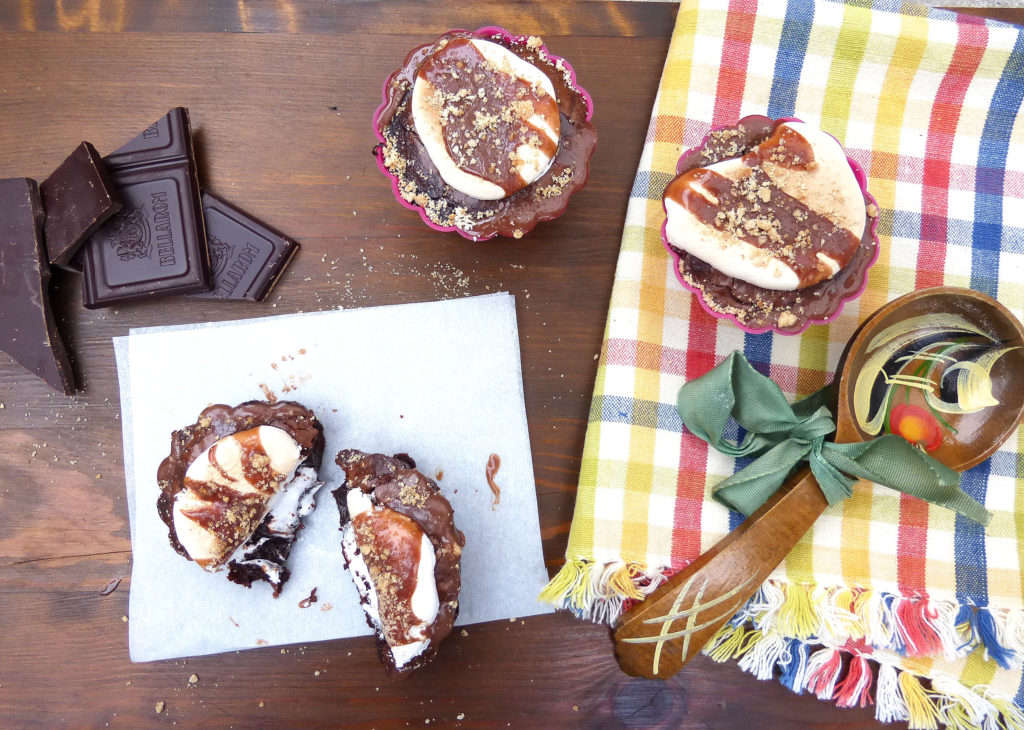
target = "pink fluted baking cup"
x: 839, y: 300
x: 520, y: 228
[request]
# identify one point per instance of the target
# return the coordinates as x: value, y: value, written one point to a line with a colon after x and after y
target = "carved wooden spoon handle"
x: 659, y: 635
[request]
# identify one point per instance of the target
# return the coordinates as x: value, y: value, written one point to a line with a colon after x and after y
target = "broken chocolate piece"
x: 28, y: 330
x: 78, y: 198
x: 236, y: 485
x: 156, y: 245
x: 247, y: 256
x: 400, y: 543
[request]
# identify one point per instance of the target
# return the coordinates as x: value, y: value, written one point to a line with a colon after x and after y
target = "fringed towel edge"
x: 908, y: 625
x: 599, y: 592
x: 897, y: 694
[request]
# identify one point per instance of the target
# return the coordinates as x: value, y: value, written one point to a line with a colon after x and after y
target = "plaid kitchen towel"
x: 887, y: 599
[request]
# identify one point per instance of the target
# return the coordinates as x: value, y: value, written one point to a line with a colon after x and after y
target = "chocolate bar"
x: 156, y: 245
x: 247, y: 256
x: 28, y: 330
x: 78, y: 198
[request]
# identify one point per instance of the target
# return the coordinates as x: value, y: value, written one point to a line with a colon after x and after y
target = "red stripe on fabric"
x: 621, y: 352
x: 911, y: 169
x: 701, y: 341
x: 732, y: 70
x: 693, y: 452
x: 912, y: 540
x: 931, y: 259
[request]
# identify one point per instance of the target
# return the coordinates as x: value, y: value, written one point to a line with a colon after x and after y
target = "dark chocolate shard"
x: 156, y: 245
x: 247, y: 256
x: 78, y: 198
x: 28, y: 330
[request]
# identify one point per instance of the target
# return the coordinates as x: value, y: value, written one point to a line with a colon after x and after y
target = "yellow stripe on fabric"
x: 977, y: 669
x: 846, y: 60
x: 813, y: 363
x: 582, y: 530
x: 1018, y: 514
x: 889, y: 126
x: 635, y: 532
x: 903, y: 65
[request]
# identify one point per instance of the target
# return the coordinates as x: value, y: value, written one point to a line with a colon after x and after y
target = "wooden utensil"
x: 659, y: 635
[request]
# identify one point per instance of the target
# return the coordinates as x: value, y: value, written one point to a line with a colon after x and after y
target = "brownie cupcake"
x: 401, y: 546
x: 485, y: 133
x: 237, y: 484
x: 770, y: 224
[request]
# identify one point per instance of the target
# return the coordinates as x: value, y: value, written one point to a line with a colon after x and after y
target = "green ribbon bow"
x: 781, y: 435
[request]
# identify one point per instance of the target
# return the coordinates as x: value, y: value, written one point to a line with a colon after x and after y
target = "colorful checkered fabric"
x: 927, y: 103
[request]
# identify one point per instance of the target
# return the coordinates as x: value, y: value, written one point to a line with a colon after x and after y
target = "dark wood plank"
x: 271, y: 142
x: 378, y: 17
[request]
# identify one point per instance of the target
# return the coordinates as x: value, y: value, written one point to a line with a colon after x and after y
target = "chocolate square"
x: 78, y: 198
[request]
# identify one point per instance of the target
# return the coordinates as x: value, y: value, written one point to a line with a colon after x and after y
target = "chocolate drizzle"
x: 483, y: 131
x: 754, y: 307
x: 419, y: 182
x: 394, y: 484
x: 493, y: 464
x: 783, y: 225
x: 215, y: 423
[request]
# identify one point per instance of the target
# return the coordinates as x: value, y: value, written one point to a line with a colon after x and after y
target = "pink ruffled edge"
x: 862, y: 179
x: 485, y: 32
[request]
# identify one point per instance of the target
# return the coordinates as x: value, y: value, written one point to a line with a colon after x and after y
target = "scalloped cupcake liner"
x: 486, y: 32
x: 841, y: 301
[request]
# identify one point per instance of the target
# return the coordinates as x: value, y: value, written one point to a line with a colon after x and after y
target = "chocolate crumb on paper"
x: 308, y: 600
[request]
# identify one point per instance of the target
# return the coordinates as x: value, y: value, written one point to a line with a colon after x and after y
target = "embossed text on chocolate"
x: 162, y: 223
x: 239, y: 266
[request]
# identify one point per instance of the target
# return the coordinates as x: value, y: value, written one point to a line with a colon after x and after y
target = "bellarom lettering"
x: 234, y: 273
x: 162, y: 226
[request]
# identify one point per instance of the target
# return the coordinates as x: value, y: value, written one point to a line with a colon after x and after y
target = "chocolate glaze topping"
x: 753, y: 306
x: 780, y: 223
x: 213, y: 424
x: 483, y: 132
x: 419, y: 182
x: 394, y: 483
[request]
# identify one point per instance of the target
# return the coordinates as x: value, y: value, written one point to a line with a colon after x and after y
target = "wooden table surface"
x: 281, y: 95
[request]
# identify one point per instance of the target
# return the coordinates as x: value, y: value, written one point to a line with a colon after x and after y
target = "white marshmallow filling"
x: 221, y: 472
x: 423, y: 604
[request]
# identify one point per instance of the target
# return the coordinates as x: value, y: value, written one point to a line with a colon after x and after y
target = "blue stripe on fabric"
x: 986, y: 239
x: 635, y: 412
x: 789, y: 63
x: 1019, y: 697
x: 969, y: 542
x: 991, y: 173
x: 650, y: 185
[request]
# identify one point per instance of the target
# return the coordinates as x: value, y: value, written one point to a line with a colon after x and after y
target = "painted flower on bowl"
x: 916, y: 425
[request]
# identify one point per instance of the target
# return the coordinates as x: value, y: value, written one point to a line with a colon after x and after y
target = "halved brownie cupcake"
x: 770, y: 224
x: 237, y: 484
x: 403, y: 551
x: 485, y: 133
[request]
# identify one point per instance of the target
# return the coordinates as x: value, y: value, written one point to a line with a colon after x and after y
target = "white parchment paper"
x: 441, y: 381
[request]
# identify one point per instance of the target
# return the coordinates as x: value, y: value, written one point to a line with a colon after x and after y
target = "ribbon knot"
x: 781, y: 435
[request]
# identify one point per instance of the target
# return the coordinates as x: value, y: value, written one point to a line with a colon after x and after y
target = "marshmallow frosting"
x: 488, y: 119
x: 786, y: 215
x: 232, y: 486
x: 408, y: 636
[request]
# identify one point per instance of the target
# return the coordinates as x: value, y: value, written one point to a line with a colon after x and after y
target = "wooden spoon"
x: 656, y: 637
